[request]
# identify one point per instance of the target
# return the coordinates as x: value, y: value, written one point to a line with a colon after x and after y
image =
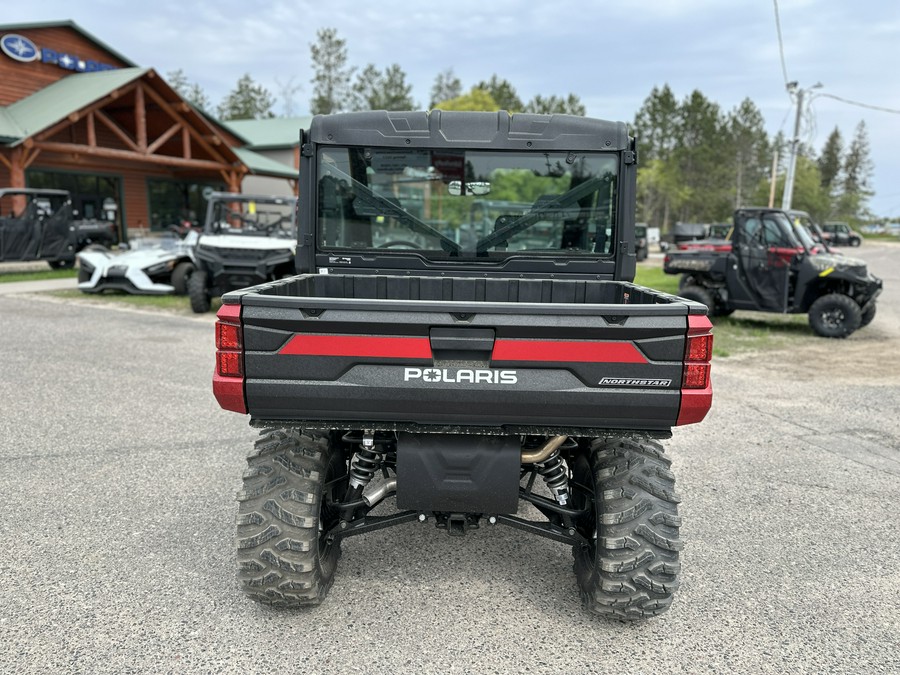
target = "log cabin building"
x: 79, y: 116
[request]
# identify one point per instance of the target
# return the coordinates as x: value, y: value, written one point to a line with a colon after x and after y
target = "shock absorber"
x: 365, y: 463
x: 555, y: 474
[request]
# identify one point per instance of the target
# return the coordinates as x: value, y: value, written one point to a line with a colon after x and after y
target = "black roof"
x: 489, y: 130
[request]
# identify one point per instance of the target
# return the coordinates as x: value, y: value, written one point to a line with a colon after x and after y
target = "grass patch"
x: 9, y: 277
x: 654, y: 277
x: 759, y: 331
x: 177, y: 304
x: 881, y: 236
x: 742, y: 331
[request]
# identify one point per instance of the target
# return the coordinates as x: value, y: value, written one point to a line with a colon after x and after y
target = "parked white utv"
x: 246, y: 240
x: 150, y: 267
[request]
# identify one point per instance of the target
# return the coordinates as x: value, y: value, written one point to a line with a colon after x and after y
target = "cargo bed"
x: 446, y: 353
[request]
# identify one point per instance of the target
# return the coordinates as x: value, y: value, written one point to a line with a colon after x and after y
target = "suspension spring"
x: 555, y: 474
x: 365, y: 463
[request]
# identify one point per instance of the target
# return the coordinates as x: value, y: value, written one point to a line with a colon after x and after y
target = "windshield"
x: 272, y: 217
x: 803, y: 230
x: 466, y: 203
x: 774, y: 229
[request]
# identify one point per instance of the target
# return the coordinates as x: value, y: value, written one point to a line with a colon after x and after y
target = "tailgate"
x: 511, y: 367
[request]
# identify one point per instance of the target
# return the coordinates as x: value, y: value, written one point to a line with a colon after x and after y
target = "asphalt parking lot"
x: 118, y: 474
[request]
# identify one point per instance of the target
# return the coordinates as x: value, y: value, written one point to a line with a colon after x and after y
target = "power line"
x: 861, y: 105
x: 781, y: 46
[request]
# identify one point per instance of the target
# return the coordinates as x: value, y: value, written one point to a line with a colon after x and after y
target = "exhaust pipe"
x: 543, y: 452
x: 379, y: 493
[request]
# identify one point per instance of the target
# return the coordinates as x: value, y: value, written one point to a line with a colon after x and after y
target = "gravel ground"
x: 117, y: 480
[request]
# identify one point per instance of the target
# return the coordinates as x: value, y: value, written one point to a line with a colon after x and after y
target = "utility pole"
x: 773, y: 179
x: 788, y: 195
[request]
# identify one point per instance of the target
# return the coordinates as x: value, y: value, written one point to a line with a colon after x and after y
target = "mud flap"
x: 458, y: 473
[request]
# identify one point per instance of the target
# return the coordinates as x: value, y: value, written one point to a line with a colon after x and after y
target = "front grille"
x: 241, y: 253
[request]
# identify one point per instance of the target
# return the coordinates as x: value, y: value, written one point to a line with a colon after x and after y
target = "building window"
x: 88, y: 191
x: 172, y: 203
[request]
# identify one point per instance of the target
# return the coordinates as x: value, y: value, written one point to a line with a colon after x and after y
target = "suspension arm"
x: 547, y: 530
x: 543, y: 505
x: 369, y: 524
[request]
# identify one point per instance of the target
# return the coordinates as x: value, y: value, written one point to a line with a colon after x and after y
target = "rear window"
x: 467, y: 204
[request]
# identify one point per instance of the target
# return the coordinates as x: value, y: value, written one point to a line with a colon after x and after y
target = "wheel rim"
x: 833, y: 318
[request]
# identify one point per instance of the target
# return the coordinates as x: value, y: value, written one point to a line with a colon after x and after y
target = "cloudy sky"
x: 611, y: 54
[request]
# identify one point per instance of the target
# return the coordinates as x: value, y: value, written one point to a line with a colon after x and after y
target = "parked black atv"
x: 40, y: 224
x: 641, y: 247
x: 247, y: 240
x: 840, y: 234
x: 773, y: 266
x: 37, y: 226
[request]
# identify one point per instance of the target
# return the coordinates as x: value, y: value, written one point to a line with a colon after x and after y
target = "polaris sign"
x: 462, y: 375
x: 20, y: 48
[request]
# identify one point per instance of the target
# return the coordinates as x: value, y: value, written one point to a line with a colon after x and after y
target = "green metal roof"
x: 263, y: 166
x: 55, y: 102
x: 12, y: 27
x: 276, y: 132
x: 9, y: 130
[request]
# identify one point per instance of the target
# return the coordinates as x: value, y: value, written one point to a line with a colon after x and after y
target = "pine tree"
x: 571, y: 105
x: 190, y: 91
x: 331, y: 75
x: 655, y: 124
x: 857, y: 171
x: 503, y: 93
x: 750, y: 143
x: 831, y: 160
x: 374, y: 90
x: 247, y: 101
x: 446, y: 86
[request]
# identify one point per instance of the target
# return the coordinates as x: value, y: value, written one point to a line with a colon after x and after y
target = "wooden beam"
x: 140, y: 117
x: 62, y: 124
x: 91, y: 130
x: 157, y: 144
x: 17, y: 176
x: 118, y: 131
x: 185, y: 142
x: 29, y: 157
x: 5, y: 161
x: 232, y: 180
x: 161, y: 102
x: 127, y: 155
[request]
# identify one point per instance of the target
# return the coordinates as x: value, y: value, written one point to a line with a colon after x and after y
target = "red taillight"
x: 699, y: 348
x: 697, y: 353
x: 696, y: 388
x: 228, y: 380
x: 229, y: 364
x: 228, y: 336
x: 696, y: 376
